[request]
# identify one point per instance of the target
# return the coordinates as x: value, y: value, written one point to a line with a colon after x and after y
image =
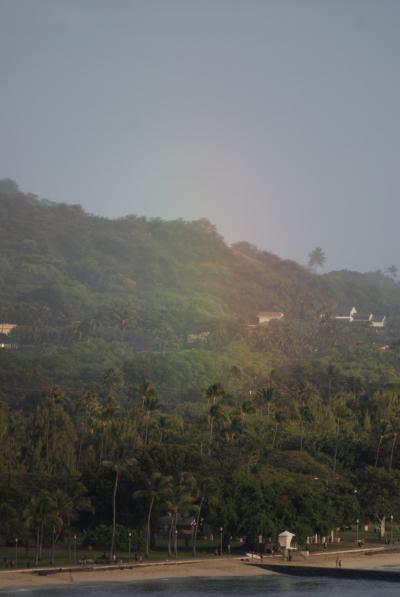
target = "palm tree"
x: 38, y: 514
x: 215, y: 413
x: 316, y: 258
x: 213, y: 392
x: 159, y: 487
x: 120, y: 463
x: 395, y: 436
x: 146, y: 389
x: 264, y: 398
x: 183, y: 500
x: 392, y: 271
x: 150, y: 405
x: 384, y: 430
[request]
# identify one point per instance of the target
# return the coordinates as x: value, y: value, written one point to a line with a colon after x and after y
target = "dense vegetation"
x: 292, y: 424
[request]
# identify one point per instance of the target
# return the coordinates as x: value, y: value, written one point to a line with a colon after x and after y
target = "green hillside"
x: 137, y: 362
x: 89, y: 294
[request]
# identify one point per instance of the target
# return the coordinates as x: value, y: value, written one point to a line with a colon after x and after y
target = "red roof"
x: 271, y: 314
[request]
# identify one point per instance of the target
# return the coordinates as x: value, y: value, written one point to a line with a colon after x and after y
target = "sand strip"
x: 158, y: 570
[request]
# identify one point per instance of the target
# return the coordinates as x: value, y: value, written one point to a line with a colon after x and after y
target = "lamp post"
x: 16, y: 552
x: 221, y: 530
x: 129, y: 545
x: 358, y: 522
x: 176, y: 543
x: 391, y: 529
x: 75, y: 550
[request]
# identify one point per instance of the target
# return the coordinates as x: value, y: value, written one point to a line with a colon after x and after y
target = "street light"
x: 358, y: 522
x: 75, y: 550
x: 16, y: 552
x: 220, y: 540
x: 129, y: 546
x: 391, y: 529
x: 176, y: 542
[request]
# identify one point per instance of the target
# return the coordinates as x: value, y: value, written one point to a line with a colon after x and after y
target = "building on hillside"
x: 348, y: 317
x: 5, y: 331
x: 355, y: 317
x: 379, y: 323
x: 363, y: 318
x: 7, y: 328
x: 264, y: 317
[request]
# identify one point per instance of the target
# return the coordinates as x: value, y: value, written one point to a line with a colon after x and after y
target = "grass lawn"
x: 62, y: 556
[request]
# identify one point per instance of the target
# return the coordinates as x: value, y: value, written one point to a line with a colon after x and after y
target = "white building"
x: 267, y: 316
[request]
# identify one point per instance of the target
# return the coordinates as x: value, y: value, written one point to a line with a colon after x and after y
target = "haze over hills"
x: 167, y: 299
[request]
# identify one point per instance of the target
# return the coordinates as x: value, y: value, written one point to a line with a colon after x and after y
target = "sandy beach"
x: 198, y: 568
x: 193, y: 568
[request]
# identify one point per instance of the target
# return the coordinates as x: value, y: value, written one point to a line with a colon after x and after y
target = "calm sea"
x: 246, y: 587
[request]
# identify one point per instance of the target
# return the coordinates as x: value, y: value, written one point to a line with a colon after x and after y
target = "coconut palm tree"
x: 213, y: 392
x: 215, y: 413
x: 264, y: 398
x: 316, y: 258
x: 150, y: 406
x: 159, y: 488
x: 39, y: 512
x: 182, y: 500
x: 146, y: 389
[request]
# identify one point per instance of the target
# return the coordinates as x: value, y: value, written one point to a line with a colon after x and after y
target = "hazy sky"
x: 276, y: 119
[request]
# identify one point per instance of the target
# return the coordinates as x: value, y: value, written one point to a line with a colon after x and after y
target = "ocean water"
x: 201, y: 587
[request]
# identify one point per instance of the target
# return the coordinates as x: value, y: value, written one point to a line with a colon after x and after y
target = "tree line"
x: 278, y: 456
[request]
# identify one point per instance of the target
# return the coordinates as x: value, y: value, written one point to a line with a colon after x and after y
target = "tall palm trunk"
x: 149, y: 526
x: 196, y: 528
x: 37, y: 545
x: 41, y: 540
x: 378, y: 450
x: 336, y: 444
x: 114, y: 505
x: 211, y: 430
x: 171, y: 528
x: 392, y: 450
x: 52, y: 546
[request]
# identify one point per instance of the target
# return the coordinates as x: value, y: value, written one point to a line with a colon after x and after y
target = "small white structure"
x: 354, y: 316
x: 348, y: 317
x: 285, y: 542
x: 267, y: 316
x: 285, y: 539
x: 379, y: 324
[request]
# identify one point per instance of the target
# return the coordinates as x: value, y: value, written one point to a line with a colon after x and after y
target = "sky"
x: 278, y: 120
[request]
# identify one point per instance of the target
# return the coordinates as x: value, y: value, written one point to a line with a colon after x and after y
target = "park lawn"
x: 64, y: 557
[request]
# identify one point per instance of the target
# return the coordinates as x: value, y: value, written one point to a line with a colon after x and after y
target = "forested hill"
x: 61, y: 264
x: 136, y: 284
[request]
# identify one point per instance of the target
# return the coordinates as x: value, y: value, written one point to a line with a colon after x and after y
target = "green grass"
x: 62, y: 557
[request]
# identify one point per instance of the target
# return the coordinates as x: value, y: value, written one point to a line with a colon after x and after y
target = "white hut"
x: 285, y: 542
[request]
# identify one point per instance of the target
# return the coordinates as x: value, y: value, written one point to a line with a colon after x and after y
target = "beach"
x: 160, y: 570
x: 219, y: 567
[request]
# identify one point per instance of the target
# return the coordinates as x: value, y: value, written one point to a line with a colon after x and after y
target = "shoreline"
x: 223, y: 567
x: 363, y: 564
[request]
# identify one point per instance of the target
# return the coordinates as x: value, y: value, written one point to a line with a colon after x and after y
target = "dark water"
x: 246, y: 587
